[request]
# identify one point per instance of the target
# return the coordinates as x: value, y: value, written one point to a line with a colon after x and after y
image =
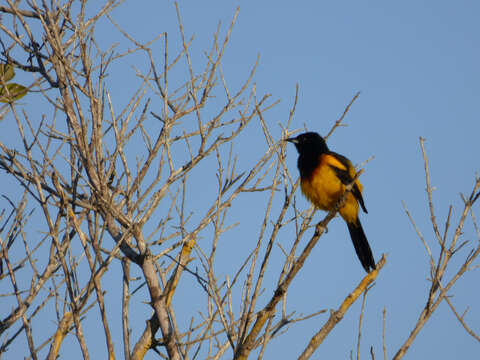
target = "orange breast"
x: 323, y: 188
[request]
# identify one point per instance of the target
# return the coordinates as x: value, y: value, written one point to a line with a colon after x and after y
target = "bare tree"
x: 446, y: 246
x: 104, y: 195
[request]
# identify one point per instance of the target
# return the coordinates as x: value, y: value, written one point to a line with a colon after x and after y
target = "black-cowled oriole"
x: 324, y: 175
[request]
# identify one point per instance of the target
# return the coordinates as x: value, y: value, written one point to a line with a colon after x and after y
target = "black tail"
x: 362, y: 248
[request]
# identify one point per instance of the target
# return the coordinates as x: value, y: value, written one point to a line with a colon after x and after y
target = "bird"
x: 324, y: 176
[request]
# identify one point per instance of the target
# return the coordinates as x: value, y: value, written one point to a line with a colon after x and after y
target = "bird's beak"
x: 292, y: 140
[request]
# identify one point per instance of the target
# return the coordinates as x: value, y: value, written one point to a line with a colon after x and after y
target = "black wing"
x: 346, y: 178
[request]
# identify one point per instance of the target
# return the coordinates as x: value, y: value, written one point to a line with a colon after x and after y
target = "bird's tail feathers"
x: 361, y: 245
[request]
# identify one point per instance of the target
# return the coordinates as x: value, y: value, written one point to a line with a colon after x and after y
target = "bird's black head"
x: 309, y: 143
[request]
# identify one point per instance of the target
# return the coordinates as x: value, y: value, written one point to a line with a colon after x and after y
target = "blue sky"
x: 416, y: 64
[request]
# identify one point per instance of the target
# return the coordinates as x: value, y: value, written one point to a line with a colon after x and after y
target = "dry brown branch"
x: 125, y: 308
x: 82, y: 176
x: 336, y: 316
x: 246, y: 346
x: 340, y: 119
x: 461, y: 319
x: 384, y: 343
x: 447, y: 248
x: 360, y: 321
